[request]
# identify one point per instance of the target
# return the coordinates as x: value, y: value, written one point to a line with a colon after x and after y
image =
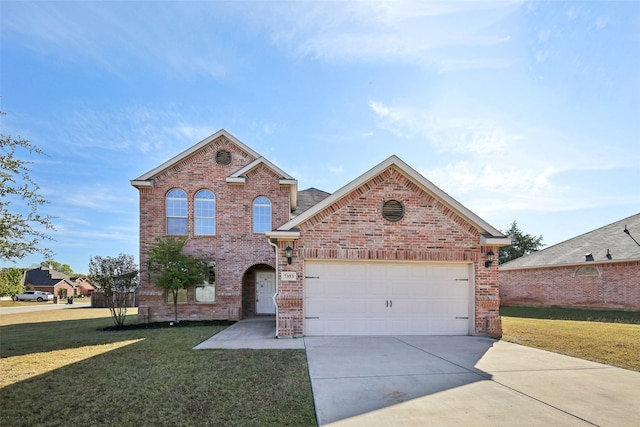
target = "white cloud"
x: 180, y: 41
x: 412, y: 31
x: 602, y: 22
x: 499, y: 164
x: 449, y: 134
x: 572, y: 13
x: 336, y: 170
x: 107, y: 34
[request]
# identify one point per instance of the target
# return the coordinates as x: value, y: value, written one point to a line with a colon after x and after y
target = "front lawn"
x: 60, y: 369
x: 9, y: 303
x: 610, y: 337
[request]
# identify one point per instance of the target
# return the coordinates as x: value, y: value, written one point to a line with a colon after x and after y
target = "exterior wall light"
x: 489, y: 260
x: 289, y: 252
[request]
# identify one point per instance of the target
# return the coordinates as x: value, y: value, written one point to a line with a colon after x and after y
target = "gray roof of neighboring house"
x: 309, y: 198
x: 621, y: 246
x: 43, y: 276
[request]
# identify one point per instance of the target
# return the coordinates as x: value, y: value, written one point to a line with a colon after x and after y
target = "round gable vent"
x: 223, y: 157
x: 393, y: 210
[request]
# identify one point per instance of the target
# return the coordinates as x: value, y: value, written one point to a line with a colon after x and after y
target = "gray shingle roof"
x: 610, y: 237
x: 43, y: 276
x: 309, y: 198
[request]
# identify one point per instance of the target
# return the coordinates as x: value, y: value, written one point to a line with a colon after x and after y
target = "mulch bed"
x: 168, y: 324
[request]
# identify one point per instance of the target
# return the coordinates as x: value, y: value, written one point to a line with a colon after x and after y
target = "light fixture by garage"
x: 289, y: 252
x: 489, y: 260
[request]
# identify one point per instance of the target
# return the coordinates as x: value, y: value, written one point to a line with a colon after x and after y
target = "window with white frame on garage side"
x: 261, y: 215
x: 205, y: 213
x: 206, y: 292
x: 176, y: 211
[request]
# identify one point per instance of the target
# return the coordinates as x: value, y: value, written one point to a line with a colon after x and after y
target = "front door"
x: 265, y: 289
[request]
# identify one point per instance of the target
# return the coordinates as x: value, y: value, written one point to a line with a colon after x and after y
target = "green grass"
x: 604, y: 336
x: 559, y: 313
x: 68, y: 372
x: 22, y: 303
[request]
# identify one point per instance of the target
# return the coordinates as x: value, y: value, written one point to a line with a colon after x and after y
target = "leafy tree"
x: 61, y: 268
x: 116, y: 278
x: 11, y: 282
x: 521, y: 244
x: 172, y: 269
x: 20, y: 233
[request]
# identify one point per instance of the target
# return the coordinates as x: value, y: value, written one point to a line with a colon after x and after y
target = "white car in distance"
x: 35, y: 296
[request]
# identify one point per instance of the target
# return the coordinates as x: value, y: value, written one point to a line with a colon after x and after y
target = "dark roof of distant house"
x: 309, y: 198
x: 43, y: 276
x: 610, y: 238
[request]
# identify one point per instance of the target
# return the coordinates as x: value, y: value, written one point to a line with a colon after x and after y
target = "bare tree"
x: 116, y: 278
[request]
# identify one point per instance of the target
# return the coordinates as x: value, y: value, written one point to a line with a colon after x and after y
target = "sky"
x: 524, y: 111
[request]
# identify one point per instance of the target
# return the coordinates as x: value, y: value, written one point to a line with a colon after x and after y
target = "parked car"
x: 35, y: 296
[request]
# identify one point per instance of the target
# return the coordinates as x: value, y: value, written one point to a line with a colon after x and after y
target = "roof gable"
x: 239, y: 177
x: 610, y: 239
x: 489, y: 233
x: 144, y: 180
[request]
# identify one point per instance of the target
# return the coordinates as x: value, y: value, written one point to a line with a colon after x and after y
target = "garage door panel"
x: 380, y: 298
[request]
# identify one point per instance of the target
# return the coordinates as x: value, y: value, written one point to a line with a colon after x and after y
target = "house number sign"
x: 288, y: 276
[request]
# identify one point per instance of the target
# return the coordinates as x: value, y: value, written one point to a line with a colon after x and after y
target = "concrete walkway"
x: 448, y: 381
x: 255, y: 333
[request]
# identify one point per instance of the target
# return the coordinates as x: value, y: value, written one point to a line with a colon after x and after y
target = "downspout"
x: 275, y: 246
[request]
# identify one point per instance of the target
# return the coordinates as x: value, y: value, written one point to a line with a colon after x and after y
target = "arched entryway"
x: 258, y: 288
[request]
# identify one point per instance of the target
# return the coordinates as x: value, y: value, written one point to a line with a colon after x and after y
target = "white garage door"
x: 381, y: 298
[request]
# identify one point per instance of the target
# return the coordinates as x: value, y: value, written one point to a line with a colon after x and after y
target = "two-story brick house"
x: 389, y: 253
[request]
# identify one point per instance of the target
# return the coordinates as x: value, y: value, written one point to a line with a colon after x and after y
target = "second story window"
x: 261, y: 215
x: 205, y: 213
x: 176, y: 208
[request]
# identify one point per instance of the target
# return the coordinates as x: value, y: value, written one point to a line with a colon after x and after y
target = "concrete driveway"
x: 448, y: 381
x: 463, y: 381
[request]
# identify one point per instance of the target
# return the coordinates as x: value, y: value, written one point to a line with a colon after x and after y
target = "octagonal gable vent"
x: 393, y: 210
x: 223, y: 157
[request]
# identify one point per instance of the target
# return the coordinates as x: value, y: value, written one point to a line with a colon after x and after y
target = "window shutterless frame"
x: 176, y: 211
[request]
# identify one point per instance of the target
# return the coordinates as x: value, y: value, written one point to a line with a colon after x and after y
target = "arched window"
x: 176, y: 206
x: 205, y: 213
x: 587, y: 270
x: 261, y: 215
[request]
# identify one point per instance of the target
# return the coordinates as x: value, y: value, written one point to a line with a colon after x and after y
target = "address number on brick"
x: 288, y: 276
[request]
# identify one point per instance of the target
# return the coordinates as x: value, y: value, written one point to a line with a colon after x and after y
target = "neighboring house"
x: 598, y: 269
x: 83, y: 286
x: 46, y: 279
x: 389, y: 253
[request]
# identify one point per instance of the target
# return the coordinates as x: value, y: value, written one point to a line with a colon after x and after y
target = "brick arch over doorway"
x: 249, y: 289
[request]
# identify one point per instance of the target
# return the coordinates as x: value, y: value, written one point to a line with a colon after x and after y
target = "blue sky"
x: 526, y: 111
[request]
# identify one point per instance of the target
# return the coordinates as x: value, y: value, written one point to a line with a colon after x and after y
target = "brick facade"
x: 236, y: 249
x: 435, y: 228
x: 592, y: 285
x: 352, y: 228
